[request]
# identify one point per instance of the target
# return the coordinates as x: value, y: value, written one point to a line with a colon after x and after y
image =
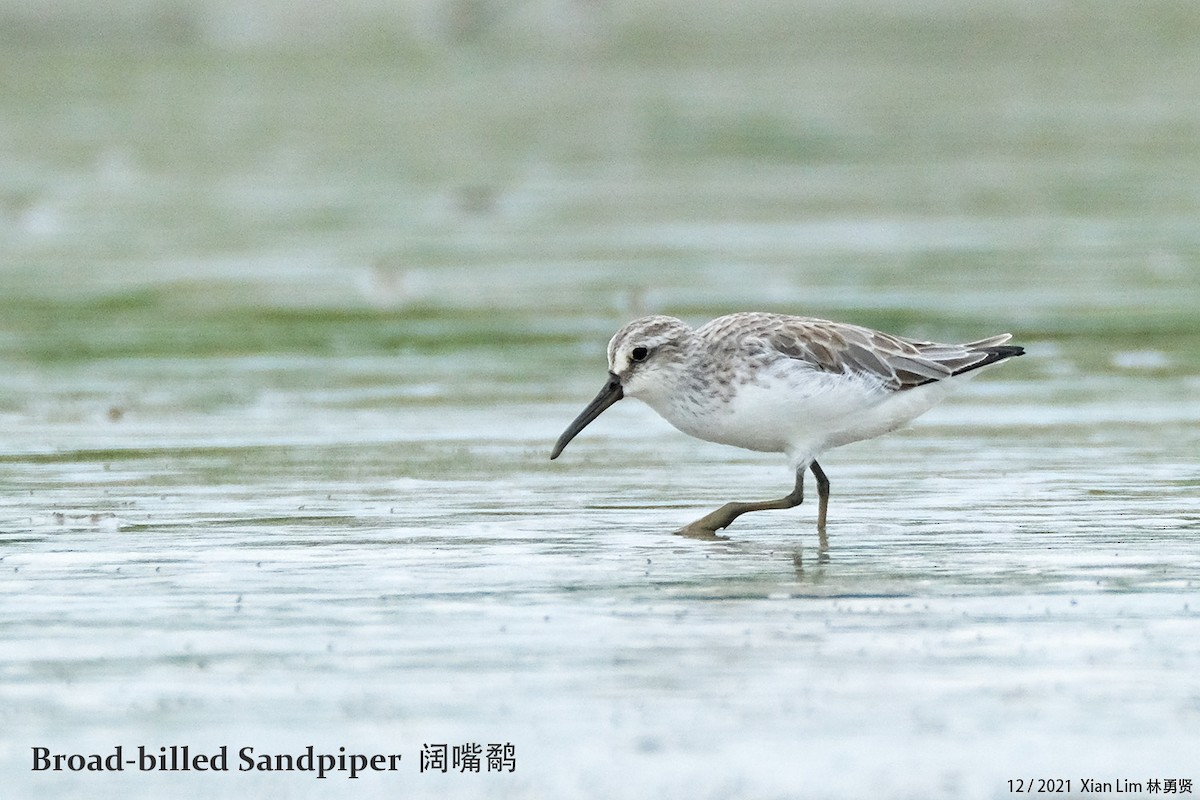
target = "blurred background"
x: 199, y: 178
x: 296, y: 296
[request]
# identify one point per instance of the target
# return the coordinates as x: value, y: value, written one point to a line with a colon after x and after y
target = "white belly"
x: 803, y: 415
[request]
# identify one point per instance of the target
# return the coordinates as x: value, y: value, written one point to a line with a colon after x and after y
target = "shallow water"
x: 289, y: 327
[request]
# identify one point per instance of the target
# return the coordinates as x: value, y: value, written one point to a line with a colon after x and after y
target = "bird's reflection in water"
x: 813, y: 571
x: 808, y: 572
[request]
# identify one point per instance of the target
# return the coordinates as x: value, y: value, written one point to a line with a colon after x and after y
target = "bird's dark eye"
x: 639, y: 353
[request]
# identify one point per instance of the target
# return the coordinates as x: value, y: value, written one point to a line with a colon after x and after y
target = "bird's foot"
x: 704, y: 532
x: 707, y: 526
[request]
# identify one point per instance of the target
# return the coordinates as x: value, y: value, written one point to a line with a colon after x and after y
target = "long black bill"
x: 611, y: 393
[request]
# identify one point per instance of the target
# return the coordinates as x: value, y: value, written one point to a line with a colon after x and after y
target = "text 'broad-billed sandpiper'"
x: 781, y: 384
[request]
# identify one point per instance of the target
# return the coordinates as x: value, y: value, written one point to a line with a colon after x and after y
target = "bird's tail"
x: 994, y: 351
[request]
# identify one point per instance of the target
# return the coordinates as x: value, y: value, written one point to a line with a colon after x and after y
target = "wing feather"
x: 895, y: 361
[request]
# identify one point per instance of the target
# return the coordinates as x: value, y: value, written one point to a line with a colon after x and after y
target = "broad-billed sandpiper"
x: 781, y: 384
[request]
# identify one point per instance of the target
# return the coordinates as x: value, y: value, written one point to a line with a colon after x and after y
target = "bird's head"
x: 643, y: 358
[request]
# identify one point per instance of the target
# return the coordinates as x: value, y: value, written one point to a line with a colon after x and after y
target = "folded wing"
x: 898, y: 363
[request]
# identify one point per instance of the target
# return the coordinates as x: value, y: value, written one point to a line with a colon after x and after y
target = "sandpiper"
x: 781, y: 384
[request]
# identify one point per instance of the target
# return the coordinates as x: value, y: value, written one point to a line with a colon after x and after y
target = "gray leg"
x: 822, y: 495
x: 707, y: 526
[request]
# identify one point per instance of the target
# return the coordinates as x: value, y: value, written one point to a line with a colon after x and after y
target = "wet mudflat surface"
x: 279, y: 401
